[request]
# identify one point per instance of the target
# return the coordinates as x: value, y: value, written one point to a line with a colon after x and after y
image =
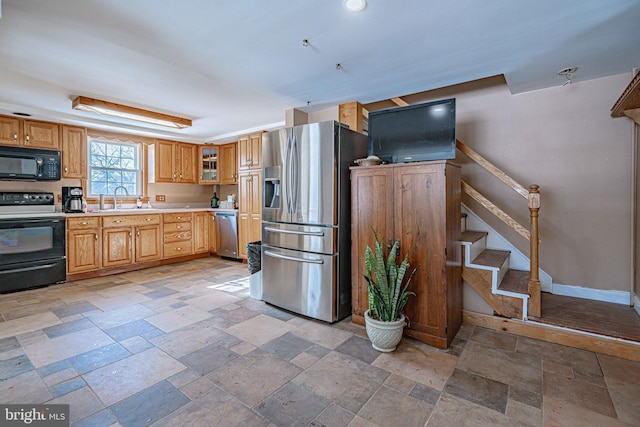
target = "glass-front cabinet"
x: 209, y: 165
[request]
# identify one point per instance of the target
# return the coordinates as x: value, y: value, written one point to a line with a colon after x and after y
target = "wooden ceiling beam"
x: 399, y: 101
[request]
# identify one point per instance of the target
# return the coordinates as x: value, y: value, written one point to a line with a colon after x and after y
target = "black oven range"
x: 32, y: 241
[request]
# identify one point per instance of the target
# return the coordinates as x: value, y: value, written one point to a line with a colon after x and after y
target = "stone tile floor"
x: 184, y: 344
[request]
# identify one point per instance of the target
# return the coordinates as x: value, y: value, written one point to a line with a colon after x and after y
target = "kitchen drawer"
x: 177, y: 226
x: 84, y: 222
x: 127, y: 220
x: 177, y: 217
x: 177, y: 236
x: 177, y: 249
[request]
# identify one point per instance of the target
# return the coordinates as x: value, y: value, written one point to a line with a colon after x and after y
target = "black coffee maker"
x: 72, y: 199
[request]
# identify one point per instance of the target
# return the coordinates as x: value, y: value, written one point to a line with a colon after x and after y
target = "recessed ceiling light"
x: 355, y: 5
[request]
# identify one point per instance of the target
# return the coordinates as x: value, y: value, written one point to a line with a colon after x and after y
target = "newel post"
x: 534, y: 279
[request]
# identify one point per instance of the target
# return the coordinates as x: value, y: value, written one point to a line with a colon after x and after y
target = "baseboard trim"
x: 636, y: 304
x: 570, y: 337
x: 618, y: 297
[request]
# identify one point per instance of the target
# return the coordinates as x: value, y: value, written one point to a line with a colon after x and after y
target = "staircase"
x: 487, y: 271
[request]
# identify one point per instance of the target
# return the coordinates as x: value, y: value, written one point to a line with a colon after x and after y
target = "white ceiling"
x: 235, y: 66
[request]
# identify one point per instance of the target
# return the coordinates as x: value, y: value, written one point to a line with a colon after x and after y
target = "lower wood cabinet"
x: 200, y: 232
x: 425, y: 216
x: 249, y: 210
x: 148, y: 242
x: 177, y: 234
x: 130, y: 238
x: 213, y: 233
x: 83, y: 244
x: 110, y: 243
x: 117, y: 248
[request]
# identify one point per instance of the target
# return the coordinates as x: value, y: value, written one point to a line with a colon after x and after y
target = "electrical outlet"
x: 160, y: 198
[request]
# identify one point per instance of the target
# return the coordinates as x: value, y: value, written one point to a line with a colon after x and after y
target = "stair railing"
x: 532, y: 195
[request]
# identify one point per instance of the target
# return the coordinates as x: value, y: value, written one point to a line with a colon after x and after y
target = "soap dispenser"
x: 139, y: 202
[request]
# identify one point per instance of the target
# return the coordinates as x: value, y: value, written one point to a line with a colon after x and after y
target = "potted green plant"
x: 388, y: 295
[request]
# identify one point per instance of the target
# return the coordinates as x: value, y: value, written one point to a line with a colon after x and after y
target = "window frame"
x: 140, y: 158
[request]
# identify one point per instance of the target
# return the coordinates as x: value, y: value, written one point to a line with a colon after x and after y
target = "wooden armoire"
x: 419, y: 204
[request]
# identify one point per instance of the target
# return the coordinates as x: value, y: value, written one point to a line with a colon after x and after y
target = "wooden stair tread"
x: 472, y: 236
x: 515, y: 281
x: 491, y: 258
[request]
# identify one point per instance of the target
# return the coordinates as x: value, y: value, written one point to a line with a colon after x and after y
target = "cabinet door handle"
x: 129, y: 234
x: 66, y: 169
x: 179, y: 236
x: 179, y: 227
x: 137, y: 232
x: 27, y: 137
x: 117, y: 221
x: 147, y: 219
x: 84, y: 223
x: 15, y: 136
x: 178, y: 217
x: 178, y: 249
x: 96, y: 236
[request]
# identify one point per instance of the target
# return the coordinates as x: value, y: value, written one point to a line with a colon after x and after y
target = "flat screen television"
x: 414, y: 133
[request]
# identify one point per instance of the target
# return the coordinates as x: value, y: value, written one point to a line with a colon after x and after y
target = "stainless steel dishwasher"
x: 227, y: 234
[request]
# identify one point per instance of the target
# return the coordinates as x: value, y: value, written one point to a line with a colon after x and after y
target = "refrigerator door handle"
x: 299, y: 233
x: 287, y: 174
x: 292, y: 258
x: 296, y: 175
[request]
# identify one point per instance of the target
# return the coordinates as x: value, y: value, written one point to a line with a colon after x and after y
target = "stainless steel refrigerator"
x: 306, y: 228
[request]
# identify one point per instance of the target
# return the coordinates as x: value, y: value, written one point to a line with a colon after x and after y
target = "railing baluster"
x: 534, y: 279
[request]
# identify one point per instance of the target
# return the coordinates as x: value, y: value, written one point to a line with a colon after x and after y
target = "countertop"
x: 143, y: 211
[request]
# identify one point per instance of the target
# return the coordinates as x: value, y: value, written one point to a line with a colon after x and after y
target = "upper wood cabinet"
x: 186, y: 163
x: 173, y: 162
x: 42, y: 135
x: 228, y: 163
x: 208, y: 164
x: 74, y: 152
x: 163, y: 156
x: 250, y: 152
x: 29, y: 133
x: 10, y: 131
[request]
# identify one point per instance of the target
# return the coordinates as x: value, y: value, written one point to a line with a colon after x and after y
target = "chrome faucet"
x: 115, y: 195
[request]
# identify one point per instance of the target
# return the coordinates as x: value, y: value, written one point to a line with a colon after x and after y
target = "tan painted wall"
x: 563, y: 139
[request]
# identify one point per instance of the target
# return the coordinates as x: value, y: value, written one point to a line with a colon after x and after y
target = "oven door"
x: 26, y: 240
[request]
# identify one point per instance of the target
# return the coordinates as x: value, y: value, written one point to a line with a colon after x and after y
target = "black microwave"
x: 30, y: 164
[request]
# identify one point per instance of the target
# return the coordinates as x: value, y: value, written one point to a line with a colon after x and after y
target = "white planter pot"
x: 384, y: 336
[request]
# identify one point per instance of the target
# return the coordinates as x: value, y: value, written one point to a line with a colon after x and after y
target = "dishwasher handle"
x: 226, y: 214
